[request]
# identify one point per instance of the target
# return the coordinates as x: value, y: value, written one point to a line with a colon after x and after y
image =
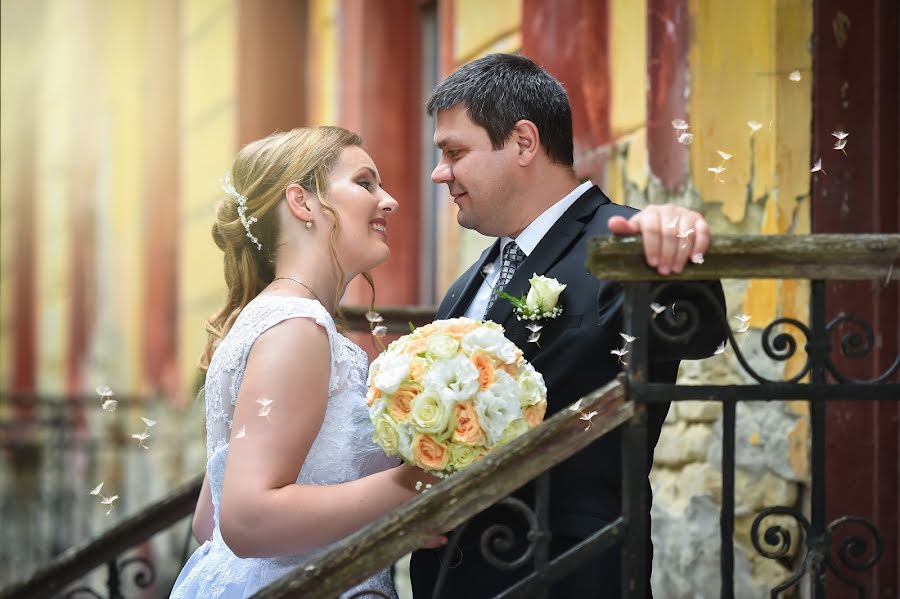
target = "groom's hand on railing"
x: 671, y: 235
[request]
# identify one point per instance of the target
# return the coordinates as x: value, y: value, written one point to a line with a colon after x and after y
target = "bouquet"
x: 451, y: 391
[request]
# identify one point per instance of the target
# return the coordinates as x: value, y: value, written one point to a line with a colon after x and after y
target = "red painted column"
x: 856, y: 90
x: 381, y: 99
x: 82, y: 276
x: 446, y: 37
x: 271, y: 57
x: 160, y: 190
x: 570, y: 38
x: 668, y: 36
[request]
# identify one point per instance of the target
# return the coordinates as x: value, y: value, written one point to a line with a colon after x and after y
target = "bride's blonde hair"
x: 260, y: 175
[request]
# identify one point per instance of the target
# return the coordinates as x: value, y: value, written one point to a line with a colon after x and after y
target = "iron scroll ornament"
x: 855, y: 345
x: 495, y: 538
x: 143, y: 578
x: 681, y: 320
x: 851, y: 553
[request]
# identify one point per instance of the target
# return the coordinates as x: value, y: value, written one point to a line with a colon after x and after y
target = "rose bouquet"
x: 448, y: 393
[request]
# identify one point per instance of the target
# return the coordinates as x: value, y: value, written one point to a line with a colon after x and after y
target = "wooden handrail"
x: 74, y: 563
x: 456, y: 499
x: 841, y: 257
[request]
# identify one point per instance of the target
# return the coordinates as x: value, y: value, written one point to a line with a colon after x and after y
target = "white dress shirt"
x: 527, y: 241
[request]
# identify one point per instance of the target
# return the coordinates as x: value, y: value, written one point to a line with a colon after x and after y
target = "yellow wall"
x: 740, y: 58
x: 208, y: 145
x: 322, y: 81
x: 122, y: 48
x: 628, y: 68
x: 484, y: 27
x: 52, y: 193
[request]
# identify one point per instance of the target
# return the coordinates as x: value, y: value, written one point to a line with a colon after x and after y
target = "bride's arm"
x: 263, y: 511
x: 203, y: 522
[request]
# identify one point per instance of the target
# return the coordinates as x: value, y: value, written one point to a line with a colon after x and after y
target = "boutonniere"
x: 541, y: 301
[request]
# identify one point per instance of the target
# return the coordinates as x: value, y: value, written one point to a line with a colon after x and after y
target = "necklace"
x: 299, y: 282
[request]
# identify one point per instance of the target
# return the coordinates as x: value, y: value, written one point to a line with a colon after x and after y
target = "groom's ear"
x: 298, y: 201
x: 528, y: 140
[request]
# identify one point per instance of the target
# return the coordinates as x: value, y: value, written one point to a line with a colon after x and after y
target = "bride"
x: 291, y: 466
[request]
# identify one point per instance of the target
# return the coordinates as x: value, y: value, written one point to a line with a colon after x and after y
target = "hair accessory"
x: 241, y: 202
x: 309, y: 224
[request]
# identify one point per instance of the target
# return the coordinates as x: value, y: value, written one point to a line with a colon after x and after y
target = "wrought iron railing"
x: 817, y: 258
x: 453, y: 501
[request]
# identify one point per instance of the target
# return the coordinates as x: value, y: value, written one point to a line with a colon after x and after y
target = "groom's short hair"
x: 498, y: 90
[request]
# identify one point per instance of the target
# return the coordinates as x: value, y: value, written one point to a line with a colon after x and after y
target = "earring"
x: 309, y: 224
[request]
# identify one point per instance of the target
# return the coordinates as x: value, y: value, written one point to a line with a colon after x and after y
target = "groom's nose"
x: 442, y: 173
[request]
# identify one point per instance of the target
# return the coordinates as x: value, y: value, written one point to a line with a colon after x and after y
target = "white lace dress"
x: 342, y: 451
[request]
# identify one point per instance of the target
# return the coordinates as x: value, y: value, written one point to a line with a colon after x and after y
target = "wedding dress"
x: 342, y: 451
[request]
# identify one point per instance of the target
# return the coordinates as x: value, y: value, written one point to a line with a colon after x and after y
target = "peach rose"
x: 415, y: 347
x: 426, y: 330
x: 372, y: 396
x: 468, y: 429
x: 430, y: 454
x: 457, y: 331
x: 417, y: 368
x: 399, y: 405
x: 534, y: 415
x: 511, y: 369
x: 486, y: 370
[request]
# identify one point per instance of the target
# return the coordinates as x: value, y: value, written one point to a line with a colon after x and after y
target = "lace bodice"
x: 342, y: 451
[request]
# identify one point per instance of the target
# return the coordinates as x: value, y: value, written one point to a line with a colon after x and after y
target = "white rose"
x: 533, y: 389
x: 492, y: 341
x: 544, y: 293
x: 498, y: 406
x: 431, y: 415
x: 442, y: 346
x: 516, y: 429
x: 391, y: 374
x: 452, y: 379
x: 385, y: 434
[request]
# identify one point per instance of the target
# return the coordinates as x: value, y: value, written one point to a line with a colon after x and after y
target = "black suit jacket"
x: 574, y: 358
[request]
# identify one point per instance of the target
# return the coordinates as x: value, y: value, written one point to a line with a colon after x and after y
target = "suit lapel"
x: 550, y: 250
x: 473, y: 279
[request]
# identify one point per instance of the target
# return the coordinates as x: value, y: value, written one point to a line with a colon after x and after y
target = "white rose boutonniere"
x: 541, y: 302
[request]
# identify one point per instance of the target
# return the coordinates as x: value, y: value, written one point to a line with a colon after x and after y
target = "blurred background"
x: 120, y: 117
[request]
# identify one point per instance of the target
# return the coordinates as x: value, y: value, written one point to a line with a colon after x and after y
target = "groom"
x: 504, y: 128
